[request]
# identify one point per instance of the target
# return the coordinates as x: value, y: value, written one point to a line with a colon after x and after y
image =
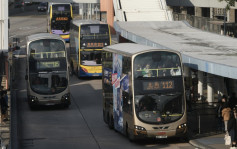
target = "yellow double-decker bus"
x: 143, y: 91
x: 59, y: 17
x: 87, y: 38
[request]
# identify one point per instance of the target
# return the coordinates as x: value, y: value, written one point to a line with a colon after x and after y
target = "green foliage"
x: 229, y: 3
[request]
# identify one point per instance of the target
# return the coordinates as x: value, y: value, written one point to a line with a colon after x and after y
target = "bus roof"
x: 42, y: 36
x: 80, y: 22
x: 130, y: 49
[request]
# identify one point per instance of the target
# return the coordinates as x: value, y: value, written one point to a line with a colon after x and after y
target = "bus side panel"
x: 128, y: 120
x: 117, y: 92
x: 107, y: 86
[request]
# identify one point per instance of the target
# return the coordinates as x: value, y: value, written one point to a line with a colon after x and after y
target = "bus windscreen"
x: 47, y: 55
x: 61, y: 17
x: 157, y: 64
x: 94, y: 31
x: 47, y: 49
x: 61, y: 8
x: 162, y: 109
x: 94, y: 36
x: 158, y: 87
x: 91, y: 58
x: 48, y: 83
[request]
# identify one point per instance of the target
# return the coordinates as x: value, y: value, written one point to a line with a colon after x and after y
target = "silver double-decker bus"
x: 143, y: 91
x: 47, y: 70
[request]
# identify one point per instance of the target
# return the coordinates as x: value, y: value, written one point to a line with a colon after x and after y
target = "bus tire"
x: 77, y: 73
x: 71, y: 69
x: 32, y: 107
x: 111, y: 122
x: 130, y: 136
x: 66, y: 106
x: 104, y: 117
x: 185, y: 138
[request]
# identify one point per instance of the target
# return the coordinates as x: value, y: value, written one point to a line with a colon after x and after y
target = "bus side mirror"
x: 26, y: 77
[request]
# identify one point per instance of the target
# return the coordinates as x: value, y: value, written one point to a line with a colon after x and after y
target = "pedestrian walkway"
x: 203, y: 127
x: 210, y: 142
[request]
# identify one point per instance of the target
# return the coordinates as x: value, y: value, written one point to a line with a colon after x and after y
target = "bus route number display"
x: 158, y: 85
x: 54, y: 64
x: 95, y: 45
x: 61, y: 18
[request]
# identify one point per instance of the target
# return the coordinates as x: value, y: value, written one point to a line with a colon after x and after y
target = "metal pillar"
x: 200, y: 84
x: 92, y: 9
x: 211, y: 12
x: 209, y: 88
x: 82, y: 11
x: 219, y: 84
x: 186, y: 71
x: 232, y: 86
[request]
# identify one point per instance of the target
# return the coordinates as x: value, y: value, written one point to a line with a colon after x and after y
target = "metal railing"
x: 202, y: 118
x: 204, y: 23
x: 208, y: 24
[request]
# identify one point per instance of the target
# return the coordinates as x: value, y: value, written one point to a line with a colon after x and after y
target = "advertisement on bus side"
x: 117, y: 94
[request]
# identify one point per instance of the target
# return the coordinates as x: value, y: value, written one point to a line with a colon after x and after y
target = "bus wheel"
x: 71, y: 70
x: 78, y: 74
x: 185, y: 138
x: 129, y: 135
x: 66, y: 106
x: 104, y: 117
x: 111, y: 122
x: 32, y: 107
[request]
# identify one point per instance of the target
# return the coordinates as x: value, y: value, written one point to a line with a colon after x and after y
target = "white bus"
x: 143, y: 91
x: 47, y: 70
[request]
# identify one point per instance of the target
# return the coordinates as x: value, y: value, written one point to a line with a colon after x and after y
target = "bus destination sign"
x: 52, y: 64
x: 95, y: 45
x: 61, y: 18
x: 158, y: 85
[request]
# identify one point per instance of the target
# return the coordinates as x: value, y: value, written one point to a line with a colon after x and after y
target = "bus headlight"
x: 32, y: 99
x: 66, y: 97
x: 141, y: 131
x: 181, y: 129
x: 106, y: 44
x: 139, y: 128
x: 182, y: 126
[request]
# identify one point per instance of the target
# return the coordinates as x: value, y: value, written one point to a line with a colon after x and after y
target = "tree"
x: 229, y: 3
x: 227, y: 8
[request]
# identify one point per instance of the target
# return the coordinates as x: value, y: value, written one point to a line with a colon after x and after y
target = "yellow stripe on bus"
x: 172, y: 115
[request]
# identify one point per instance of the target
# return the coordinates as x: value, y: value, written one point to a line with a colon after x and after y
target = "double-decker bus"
x: 87, y: 38
x: 59, y: 17
x: 143, y: 91
x: 47, y: 74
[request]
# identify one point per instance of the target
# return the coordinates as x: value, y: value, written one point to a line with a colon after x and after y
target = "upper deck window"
x: 60, y: 8
x: 47, y: 55
x: 46, y: 49
x: 95, y: 31
x: 157, y: 64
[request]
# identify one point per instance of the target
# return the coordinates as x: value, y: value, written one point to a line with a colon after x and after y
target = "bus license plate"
x: 159, y: 137
x: 50, y: 104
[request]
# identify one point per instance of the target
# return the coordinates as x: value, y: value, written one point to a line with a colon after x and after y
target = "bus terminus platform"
x: 207, y: 53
